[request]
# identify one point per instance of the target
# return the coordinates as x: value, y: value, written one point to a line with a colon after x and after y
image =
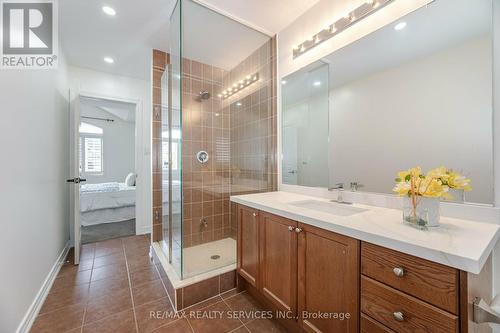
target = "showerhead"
x: 204, y: 94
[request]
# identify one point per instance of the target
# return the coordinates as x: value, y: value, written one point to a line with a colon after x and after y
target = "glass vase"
x: 425, y: 215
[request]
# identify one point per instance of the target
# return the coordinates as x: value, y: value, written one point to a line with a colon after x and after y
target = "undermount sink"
x: 329, y: 207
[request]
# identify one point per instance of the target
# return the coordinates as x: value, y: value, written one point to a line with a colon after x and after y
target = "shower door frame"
x: 169, y: 117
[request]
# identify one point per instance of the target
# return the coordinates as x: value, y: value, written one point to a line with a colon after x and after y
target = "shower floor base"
x: 200, y: 258
x: 198, y: 261
x: 204, y: 276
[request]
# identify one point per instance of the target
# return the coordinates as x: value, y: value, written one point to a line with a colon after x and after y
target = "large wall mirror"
x: 417, y: 92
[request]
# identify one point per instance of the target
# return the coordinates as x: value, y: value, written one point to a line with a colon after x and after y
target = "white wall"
x: 34, y: 127
x: 118, y: 145
x: 310, y: 119
x: 496, y: 137
x: 89, y: 82
x: 429, y: 112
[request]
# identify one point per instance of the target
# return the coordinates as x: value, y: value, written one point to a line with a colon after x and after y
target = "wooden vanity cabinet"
x: 328, y: 280
x: 300, y: 269
x: 278, y: 261
x: 407, y: 294
x: 248, y: 245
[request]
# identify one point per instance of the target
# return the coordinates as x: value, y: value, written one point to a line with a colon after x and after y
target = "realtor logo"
x: 29, y: 34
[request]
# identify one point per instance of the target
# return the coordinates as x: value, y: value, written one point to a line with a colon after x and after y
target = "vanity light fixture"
x: 367, y: 8
x: 239, y: 85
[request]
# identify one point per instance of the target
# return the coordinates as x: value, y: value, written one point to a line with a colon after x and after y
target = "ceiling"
x: 218, y: 40
x: 271, y: 16
x: 88, y: 35
x: 103, y: 108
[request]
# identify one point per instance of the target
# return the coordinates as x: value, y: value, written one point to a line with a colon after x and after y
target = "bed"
x: 106, y: 203
x: 115, y: 202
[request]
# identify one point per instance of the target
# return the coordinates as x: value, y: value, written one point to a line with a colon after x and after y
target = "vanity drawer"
x: 434, y: 283
x: 368, y: 325
x: 403, y: 313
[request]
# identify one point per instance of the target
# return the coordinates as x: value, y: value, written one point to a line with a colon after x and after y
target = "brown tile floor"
x: 116, y: 288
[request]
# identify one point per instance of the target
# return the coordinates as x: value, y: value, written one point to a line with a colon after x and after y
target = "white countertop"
x: 461, y: 244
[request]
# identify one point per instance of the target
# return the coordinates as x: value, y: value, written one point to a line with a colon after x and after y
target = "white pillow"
x: 130, y: 180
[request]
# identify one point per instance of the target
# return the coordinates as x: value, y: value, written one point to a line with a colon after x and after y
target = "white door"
x: 75, y: 180
x: 290, y: 166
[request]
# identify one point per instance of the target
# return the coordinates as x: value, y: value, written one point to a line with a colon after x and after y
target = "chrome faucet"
x: 340, y: 190
x: 355, y: 186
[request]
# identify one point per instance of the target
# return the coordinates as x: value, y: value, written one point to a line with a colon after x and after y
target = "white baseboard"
x: 34, y: 309
x: 144, y: 230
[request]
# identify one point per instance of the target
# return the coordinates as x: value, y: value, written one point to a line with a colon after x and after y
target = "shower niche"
x: 218, y: 138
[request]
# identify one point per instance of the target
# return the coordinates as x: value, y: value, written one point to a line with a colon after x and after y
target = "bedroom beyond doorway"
x: 107, y: 161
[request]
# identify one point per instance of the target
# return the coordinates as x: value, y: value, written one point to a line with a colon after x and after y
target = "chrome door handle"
x: 399, y: 271
x: 290, y: 228
x: 255, y: 214
x: 298, y: 230
x: 399, y: 316
x: 76, y: 180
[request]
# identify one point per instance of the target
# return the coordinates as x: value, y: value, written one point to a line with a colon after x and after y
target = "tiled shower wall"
x: 254, y: 126
x: 239, y: 134
x: 160, y: 61
x: 205, y: 127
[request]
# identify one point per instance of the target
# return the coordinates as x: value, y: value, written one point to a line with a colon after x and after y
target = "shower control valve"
x: 202, y: 157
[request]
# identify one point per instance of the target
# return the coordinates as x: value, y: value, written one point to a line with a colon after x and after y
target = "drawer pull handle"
x: 399, y: 316
x: 298, y: 230
x: 399, y: 271
x: 290, y: 228
x: 255, y: 214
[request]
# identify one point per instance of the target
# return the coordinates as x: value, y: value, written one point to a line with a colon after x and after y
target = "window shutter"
x: 93, y: 155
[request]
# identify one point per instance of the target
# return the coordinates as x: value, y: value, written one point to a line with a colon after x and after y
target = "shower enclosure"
x: 218, y: 134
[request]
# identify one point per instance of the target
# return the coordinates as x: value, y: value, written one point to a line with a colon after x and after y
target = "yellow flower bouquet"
x: 423, y: 192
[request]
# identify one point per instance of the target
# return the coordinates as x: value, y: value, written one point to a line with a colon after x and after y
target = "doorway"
x: 107, y: 164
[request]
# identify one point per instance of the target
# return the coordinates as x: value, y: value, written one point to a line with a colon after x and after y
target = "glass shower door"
x: 172, y: 147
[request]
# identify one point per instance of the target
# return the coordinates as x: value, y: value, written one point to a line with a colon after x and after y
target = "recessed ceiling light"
x: 283, y: 81
x: 108, y: 10
x: 400, y: 26
x: 109, y: 60
x: 317, y: 83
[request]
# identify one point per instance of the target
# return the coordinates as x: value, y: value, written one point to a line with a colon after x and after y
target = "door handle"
x: 76, y: 180
x: 399, y: 271
x: 399, y: 316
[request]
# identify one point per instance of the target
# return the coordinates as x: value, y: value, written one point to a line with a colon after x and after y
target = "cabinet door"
x: 329, y: 278
x: 278, y: 246
x: 248, y: 244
